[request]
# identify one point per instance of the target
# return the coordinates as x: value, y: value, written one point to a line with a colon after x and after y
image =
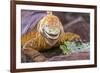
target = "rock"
x: 73, y: 56
x: 56, y: 55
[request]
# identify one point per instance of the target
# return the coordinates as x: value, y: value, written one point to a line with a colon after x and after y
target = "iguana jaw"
x: 52, y: 32
x: 50, y: 36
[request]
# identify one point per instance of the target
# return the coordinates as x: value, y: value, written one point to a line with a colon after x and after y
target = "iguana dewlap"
x: 49, y: 34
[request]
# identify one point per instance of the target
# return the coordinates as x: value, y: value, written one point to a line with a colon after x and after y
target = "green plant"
x: 65, y: 47
x: 68, y: 47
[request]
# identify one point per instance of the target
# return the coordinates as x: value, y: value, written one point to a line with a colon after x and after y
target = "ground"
x: 55, y: 54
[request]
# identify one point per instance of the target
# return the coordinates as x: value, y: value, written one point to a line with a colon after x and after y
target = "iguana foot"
x: 34, y: 55
x: 40, y: 58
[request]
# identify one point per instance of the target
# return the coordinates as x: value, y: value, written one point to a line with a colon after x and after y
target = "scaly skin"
x: 35, y: 41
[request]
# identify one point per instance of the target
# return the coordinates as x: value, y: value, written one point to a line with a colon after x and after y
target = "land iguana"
x: 49, y: 33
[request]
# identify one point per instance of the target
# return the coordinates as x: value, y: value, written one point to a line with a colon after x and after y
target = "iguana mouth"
x: 51, y: 32
x: 51, y: 36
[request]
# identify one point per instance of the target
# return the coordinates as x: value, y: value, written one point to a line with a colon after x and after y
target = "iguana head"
x: 51, y: 28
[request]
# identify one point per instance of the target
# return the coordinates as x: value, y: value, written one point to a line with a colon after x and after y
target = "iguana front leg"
x: 35, y: 55
x: 69, y: 37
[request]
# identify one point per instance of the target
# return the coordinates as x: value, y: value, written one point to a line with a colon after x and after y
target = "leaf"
x: 67, y: 43
x: 65, y: 49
